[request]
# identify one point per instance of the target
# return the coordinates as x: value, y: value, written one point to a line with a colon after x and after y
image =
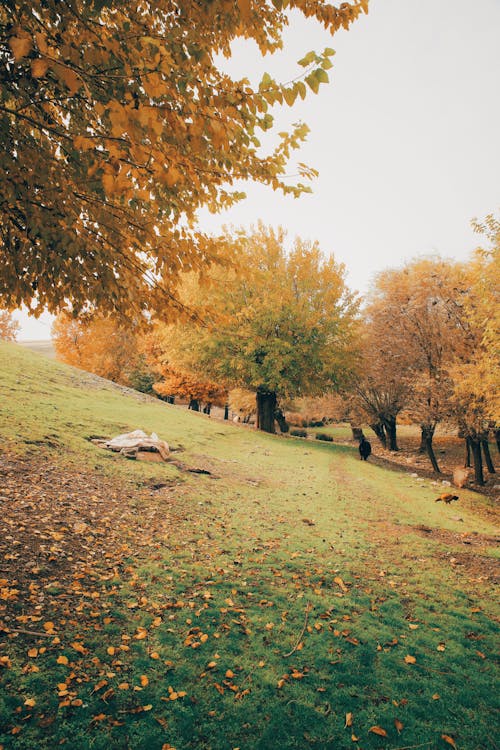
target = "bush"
x: 298, y: 433
x: 324, y: 436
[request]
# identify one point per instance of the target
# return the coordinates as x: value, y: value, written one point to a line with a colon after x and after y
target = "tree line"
x: 279, y: 323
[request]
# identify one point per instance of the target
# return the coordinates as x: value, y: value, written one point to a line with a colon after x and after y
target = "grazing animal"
x: 446, y: 497
x: 365, y: 448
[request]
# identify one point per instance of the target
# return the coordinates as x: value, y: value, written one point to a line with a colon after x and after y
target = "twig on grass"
x: 27, y: 632
x: 294, y: 649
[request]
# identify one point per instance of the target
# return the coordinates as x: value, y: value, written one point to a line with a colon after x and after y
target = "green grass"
x: 280, y: 594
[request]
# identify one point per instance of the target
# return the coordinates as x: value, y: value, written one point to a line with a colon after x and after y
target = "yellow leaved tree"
x: 117, y: 124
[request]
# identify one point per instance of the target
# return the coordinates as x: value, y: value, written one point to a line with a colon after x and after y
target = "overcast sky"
x: 405, y: 136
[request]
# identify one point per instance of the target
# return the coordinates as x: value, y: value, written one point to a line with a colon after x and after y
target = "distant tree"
x: 476, y: 378
x: 421, y: 331
x: 117, y: 125
x: 103, y: 345
x: 280, y: 324
x: 185, y: 385
x: 9, y: 328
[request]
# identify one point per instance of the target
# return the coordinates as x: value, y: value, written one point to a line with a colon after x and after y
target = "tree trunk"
x: 426, y: 438
x: 422, y: 448
x: 475, y: 445
x: 487, y: 455
x: 280, y: 418
x: 467, y: 463
x: 194, y: 405
x: 390, y: 428
x: 266, y: 408
x: 497, y: 438
x: 207, y: 409
x: 378, y: 429
x: 226, y: 411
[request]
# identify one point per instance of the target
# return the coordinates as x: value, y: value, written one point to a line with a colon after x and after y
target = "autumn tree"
x: 476, y: 378
x: 117, y: 124
x: 104, y: 346
x: 9, y: 327
x: 280, y: 324
x: 186, y: 385
x: 420, y: 332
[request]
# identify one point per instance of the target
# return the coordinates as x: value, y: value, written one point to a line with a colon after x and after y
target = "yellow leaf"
x: 441, y: 647
x: 354, y: 738
x: 30, y: 702
x: 410, y: 659
x: 62, y: 660
x: 348, y: 720
x: 154, y: 655
x: 245, y: 7
x: 172, y: 176
x: 398, y: 724
x: 20, y: 46
x: 448, y: 739
x: 48, y: 626
x: 111, y: 650
x: 229, y: 674
x: 39, y: 67
x: 378, y: 730
x: 123, y: 686
x: 71, y: 80
x: 436, y: 697
x: 338, y: 580
x: 144, y: 680
x: 33, y: 652
x: 79, y: 647
x: 412, y: 626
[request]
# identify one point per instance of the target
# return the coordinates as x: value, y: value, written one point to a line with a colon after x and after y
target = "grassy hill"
x: 292, y: 597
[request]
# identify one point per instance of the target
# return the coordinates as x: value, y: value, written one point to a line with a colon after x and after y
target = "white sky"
x: 406, y: 136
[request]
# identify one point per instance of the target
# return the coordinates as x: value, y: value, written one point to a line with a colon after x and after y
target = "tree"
x: 476, y: 379
x: 116, y: 125
x: 105, y: 346
x: 9, y: 327
x: 280, y: 324
x: 178, y: 382
x: 420, y: 331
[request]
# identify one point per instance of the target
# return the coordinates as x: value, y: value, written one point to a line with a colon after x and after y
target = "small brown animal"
x: 446, y: 497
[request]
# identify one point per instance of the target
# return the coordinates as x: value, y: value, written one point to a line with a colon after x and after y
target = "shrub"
x: 324, y: 436
x: 299, y: 433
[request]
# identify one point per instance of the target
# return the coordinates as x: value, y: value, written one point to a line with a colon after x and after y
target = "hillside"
x: 291, y: 596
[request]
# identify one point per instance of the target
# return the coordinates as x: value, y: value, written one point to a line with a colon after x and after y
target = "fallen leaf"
x: 33, y: 652
x: 399, y: 725
x: 436, y: 697
x: 62, y: 659
x: 448, y: 739
x: 410, y: 659
x: 378, y: 730
x: 348, y: 720
x: 144, y: 680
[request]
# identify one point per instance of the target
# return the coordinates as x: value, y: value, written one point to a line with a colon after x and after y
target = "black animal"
x: 365, y: 448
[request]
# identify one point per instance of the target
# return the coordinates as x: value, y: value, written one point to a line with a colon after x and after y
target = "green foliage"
x: 281, y: 322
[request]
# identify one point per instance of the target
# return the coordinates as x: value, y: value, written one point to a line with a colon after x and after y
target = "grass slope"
x: 293, y: 598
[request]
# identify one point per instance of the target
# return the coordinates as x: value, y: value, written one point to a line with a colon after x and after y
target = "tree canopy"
x: 280, y: 323
x: 117, y: 124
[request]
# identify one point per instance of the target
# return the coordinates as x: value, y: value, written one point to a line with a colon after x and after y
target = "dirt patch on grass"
x: 64, y: 534
x: 468, y: 552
